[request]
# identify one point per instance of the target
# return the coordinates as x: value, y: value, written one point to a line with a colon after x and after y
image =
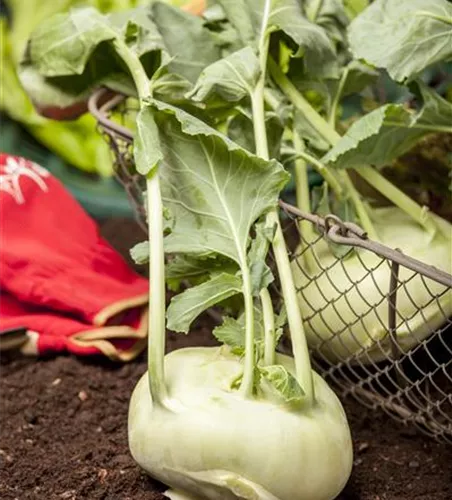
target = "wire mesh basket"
x: 378, y: 322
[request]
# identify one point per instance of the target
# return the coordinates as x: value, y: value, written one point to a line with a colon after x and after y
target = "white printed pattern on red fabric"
x: 14, y: 169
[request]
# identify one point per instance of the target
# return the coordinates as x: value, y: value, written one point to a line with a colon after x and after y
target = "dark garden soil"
x: 63, y: 432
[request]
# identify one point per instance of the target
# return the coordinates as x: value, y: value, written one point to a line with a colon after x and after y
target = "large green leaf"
x: 311, y: 41
x: 376, y: 139
x: 63, y: 45
x: 188, y: 305
x: 26, y: 15
x: 403, y: 36
x: 186, y: 39
x: 214, y: 189
x: 70, y: 54
x: 231, y: 78
x: 390, y: 131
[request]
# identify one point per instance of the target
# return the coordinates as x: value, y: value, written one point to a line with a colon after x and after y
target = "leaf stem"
x: 337, y: 98
x: 303, y: 369
x: 374, y: 178
x: 404, y: 202
x: 421, y: 126
x: 303, y: 202
x: 247, y: 384
x: 360, y: 208
x: 156, y: 347
x: 323, y: 170
x: 300, y: 347
x: 269, y: 328
x: 297, y: 99
x: 136, y: 69
x: 157, y: 297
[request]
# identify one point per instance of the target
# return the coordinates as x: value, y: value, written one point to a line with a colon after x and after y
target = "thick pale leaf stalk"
x: 246, y: 387
x: 269, y: 328
x: 325, y: 172
x: 328, y: 132
x: 135, y: 67
x: 300, y: 347
x: 156, y: 330
x: 360, y: 208
x: 337, y: 98
x: 418, y: 213
x: 303, y: 200
x: 157, y: 296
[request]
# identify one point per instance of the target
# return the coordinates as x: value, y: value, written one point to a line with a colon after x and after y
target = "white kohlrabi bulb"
x: 221, y: 446
x: 346, y: 307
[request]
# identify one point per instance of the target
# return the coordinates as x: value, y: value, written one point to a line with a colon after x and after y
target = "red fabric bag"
x: 59, y: 278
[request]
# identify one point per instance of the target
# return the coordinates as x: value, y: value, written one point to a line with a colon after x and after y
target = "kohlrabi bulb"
x: 352, y: 317
x: 219, y: 445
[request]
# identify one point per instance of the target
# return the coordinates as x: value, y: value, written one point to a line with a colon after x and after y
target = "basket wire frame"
x: 414, y: 385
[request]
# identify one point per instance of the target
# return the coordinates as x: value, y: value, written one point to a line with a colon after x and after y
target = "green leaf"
x: 312, y: 42
x: 186, y: 39
x: 70, y: 54
x: 261, y: 275
x: 231, y: 78
x: 237, y: 11
x: 187, y: 306
x: 370, y: 140
x: 436, y: 112
x: 146, y: 151
x: 331, y: 16
x: 240, y: 130
x: 214, y: 189
x: 309, y: 133
x: 63, y: 44
x: 196, y: 269
x: 232, y: 332
x: 403, y: 36
x: 281, y: 384
x: 138, y: 31
x: 359, y: 77
x: 390, y: 131
x: 169, y: 87
x: 43, y: 92
x: 140, y: 253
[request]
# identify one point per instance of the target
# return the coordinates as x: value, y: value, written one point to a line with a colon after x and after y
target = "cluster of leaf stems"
x: 339, y: 181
